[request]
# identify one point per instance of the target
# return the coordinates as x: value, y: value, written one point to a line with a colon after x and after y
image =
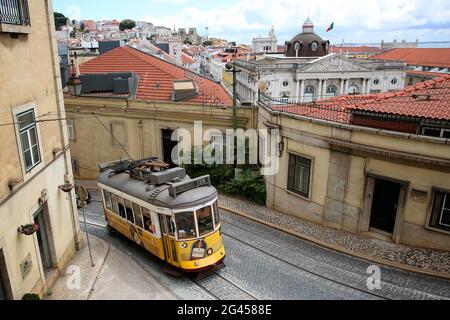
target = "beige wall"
x: 93, y: 144
x: 30, y: 77
x: 422, y: 163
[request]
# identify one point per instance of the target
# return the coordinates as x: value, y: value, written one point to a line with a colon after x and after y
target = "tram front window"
x: 185, y: 225
x: 205, y: 220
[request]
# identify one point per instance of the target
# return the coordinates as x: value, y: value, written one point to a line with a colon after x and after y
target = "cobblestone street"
x: 264, y: 263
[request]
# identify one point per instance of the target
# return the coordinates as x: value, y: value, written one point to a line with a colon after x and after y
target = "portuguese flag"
x: 331, y: 27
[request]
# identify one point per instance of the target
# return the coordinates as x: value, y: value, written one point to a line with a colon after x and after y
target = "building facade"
x: 422, y: 63
x: 308, y: 72
x: 378, y: 166
x: 35, y: 157
x: 266, y: 44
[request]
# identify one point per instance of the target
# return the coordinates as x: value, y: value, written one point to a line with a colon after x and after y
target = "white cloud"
x: 370, y: 20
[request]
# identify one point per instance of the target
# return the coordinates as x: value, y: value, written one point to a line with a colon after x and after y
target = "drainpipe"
x: 61, y: 112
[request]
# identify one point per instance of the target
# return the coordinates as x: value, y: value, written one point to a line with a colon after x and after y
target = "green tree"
x: 127, y: 24
x: 233, y: 43
x: 60, y: 20
x: 187, y: 41
x: 207, y: 43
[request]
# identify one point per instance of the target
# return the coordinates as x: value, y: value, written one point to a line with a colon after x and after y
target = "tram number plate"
x: 198, y: 253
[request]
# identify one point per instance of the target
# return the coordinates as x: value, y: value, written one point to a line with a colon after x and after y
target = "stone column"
x: 346, y: 86
x: 363, y: 91
x: 297, y: 91
x: 341, y: 90
x: 319, y: 90
x: 324, y: 88
x: 302, y: 90
x: 369, y: 84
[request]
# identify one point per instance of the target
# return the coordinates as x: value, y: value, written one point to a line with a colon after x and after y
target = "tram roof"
x: 157, y: 195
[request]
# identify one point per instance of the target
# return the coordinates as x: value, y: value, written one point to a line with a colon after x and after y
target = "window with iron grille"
x: 29, y: 139
x: 15, y: 12
x: 75, y: 166
x: 299, y: 175
x: 440, y: 214
x: 71, y: 129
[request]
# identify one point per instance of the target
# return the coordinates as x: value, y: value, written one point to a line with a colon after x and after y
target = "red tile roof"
x: 356, y: 49
x: 433, y: 57
x: 187, y: 59
x: 155, y: 76
x: 429, y: 99
x: 424, y: 73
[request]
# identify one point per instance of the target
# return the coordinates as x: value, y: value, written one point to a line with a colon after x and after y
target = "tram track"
x: 222, y: 288
x: 354, y: 276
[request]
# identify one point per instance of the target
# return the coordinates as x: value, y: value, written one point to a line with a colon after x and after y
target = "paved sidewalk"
x: 109, y: 279
x: 427, y: 261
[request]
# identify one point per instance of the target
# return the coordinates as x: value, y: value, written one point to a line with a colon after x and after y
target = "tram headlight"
x: 196, y: 264
x: 210, y: 251
x: 184, y: 245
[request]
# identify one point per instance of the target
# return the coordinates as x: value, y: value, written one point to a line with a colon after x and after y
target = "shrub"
x: 251, y: 187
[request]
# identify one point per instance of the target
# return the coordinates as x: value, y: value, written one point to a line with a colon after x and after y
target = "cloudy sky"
x: 355, y: 21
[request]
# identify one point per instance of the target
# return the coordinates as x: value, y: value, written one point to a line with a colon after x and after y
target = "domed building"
x: 307, y: 43
x: 307, y: 72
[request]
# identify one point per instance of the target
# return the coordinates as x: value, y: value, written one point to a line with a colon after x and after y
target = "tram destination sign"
x: 180, y: 187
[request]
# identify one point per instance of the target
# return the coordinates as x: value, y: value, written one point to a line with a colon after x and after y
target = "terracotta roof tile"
x: 156, y: 76
x: 433, y: 57
x: 430, y: 99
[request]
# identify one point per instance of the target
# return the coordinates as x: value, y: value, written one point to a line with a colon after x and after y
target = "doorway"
x: 384, y: 206
x: 168, y: 145
x: 43, y: 240
x: 2, y: 282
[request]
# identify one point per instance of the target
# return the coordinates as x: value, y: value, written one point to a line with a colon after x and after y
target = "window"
x: 70, y: 129
x: 394, y: 81
x: 331, y: 91
x: 75, y: 166
x: 147, y: 220
x: 353, y: 89
x: 376, y: 82
x: 185, y: 225
x: 115, y: 206
x: 107, y: 196
x: 205, y: 220
x: 29, y: 139
x: 14, y: 12
x: 121, y: 207
x: 129, y: 211
x: 285, y: 83
x: 299, y: 175
x: 436, y: 132
x: 119, y: 133
x: 309, y: 94
x: 138, y: 216
x: 440, y: 215
x: 216, y: 214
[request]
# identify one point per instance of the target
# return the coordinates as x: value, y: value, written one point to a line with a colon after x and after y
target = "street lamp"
x: 74, y: 83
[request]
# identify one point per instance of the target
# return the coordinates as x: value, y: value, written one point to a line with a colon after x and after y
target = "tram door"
x: 168, y: 234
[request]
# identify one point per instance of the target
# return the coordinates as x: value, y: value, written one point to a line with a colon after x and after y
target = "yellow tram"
x: 172, y: 216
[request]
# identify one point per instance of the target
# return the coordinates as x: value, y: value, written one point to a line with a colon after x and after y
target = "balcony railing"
x: 15, y: 12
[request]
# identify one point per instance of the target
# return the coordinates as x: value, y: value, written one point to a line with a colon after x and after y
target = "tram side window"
x: 146, y: 216
x: 216, y: 214
x: 185, y: 225
x: 115, y: 206
x: 138, y: 215
x: 121, y: 207
x: 204, y: 219
x: 107, y: 196
x: 129, y: 211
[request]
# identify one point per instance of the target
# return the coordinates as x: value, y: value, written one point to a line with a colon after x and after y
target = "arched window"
x: 309, y: 94
x: 331, y: 91
x: 353, y: 89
